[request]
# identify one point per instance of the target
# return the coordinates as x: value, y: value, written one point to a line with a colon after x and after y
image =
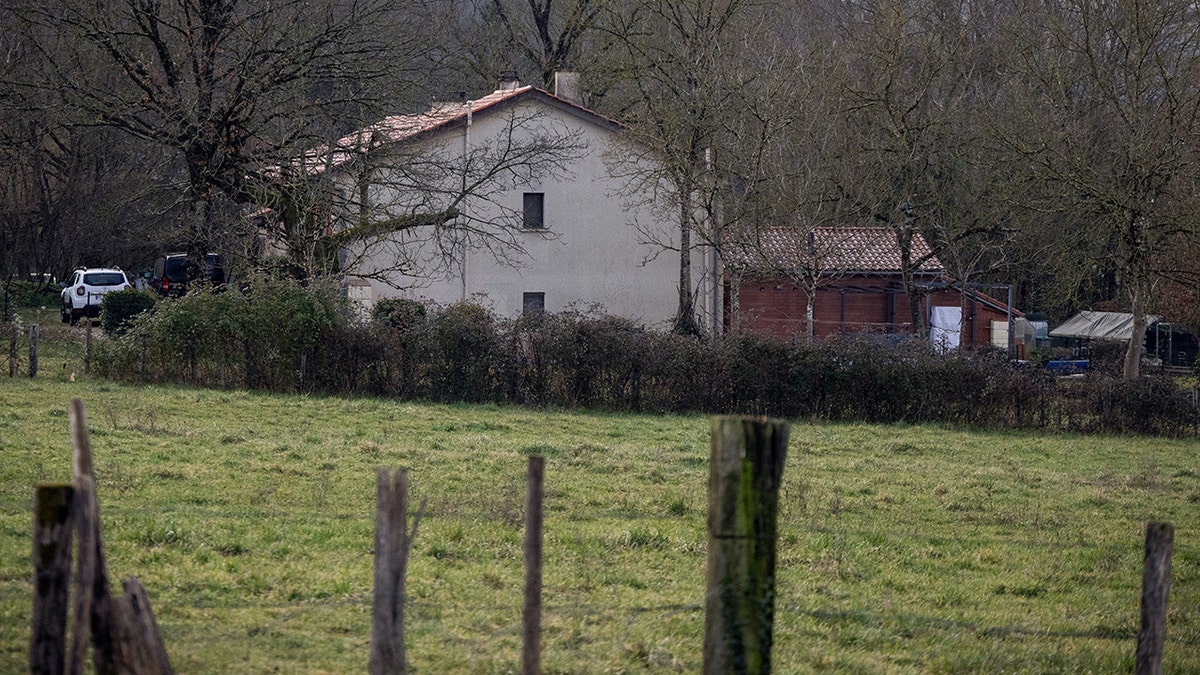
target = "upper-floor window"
x: 533, y: 303
x: 534, y: 210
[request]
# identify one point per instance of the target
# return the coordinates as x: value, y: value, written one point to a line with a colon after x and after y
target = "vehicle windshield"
x: 104, y: 278
x: 175, y: 267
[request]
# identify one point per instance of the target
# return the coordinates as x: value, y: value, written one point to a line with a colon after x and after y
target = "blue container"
x: 1067, y: 367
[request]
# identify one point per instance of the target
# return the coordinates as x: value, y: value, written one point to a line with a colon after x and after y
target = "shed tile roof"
x: 866, y: 249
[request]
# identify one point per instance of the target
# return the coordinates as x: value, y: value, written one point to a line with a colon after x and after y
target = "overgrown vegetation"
x: 118, y: 308
x: 260, y: 339
x: 16, y: 294
x: 903, y: 549
x: 280, y: 336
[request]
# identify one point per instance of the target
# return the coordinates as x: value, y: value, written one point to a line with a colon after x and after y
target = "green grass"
x: 249, y: 519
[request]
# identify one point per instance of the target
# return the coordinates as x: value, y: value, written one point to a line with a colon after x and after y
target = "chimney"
x: 508, y: 81
x: 567, y: 87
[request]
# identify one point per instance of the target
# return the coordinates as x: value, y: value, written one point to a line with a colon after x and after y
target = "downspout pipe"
x: 466, y: 261
x: 1008, y: 311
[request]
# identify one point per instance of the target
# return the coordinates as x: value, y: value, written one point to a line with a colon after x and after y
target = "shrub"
x: 263, y: 338
x: 119, y: 307
x: 398, y: 312
x: 581, y: 360
x: 461, y: 343
x: 1106, y: 357
x: 1152, y: 405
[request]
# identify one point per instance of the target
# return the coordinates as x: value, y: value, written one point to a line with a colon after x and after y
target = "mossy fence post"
x: 52, y: 525
x: 393, y: 544
x: 1156, y: 582
x: 532, y: 609
x: 745, y: 470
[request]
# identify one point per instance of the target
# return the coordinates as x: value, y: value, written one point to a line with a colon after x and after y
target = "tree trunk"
x: 685, y: 317
x: 916, y: 305
x: 904, y: 239
x: 1133, y: 350
x: 810, y: 330
x: 197, y: 241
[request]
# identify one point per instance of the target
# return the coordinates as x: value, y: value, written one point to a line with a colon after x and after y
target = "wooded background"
x: 1046, y: 143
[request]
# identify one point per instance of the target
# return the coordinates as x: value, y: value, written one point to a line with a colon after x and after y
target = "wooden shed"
x: 854, y: 277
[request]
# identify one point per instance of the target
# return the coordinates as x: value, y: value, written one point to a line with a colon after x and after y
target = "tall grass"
x: 902, y: 548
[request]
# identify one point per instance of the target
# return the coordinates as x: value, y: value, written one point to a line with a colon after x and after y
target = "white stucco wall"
x: 590, y: 253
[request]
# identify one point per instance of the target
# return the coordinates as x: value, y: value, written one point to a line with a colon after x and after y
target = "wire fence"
x: 851, y: 552
x: 437, y: 620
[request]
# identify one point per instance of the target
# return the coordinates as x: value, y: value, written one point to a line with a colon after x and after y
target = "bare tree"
x: 907, y: 154
x: 70, y: 193
x: 683, y: 85
x: 538, y: 38
x: 390, y: 205
x: 811, y: 256
x: 775, y: 146
x: 1108, y: 128
x: 227, y: 86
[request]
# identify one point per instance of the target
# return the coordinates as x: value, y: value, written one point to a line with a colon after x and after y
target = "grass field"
x: 249, y: 519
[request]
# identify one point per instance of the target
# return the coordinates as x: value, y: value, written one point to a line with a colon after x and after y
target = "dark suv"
x: 170, y: 273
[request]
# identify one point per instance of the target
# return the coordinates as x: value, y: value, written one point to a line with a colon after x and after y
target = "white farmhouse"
x: 536, y: 214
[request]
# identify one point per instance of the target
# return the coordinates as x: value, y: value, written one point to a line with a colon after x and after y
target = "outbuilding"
x: 853, y: 277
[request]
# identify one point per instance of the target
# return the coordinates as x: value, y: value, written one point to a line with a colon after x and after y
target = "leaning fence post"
x: 93, y: 601
x: 532, y: 610
x: 1156, y: 581
x: 746, y: 466
x: 33, y: 350
x: 52, y: 575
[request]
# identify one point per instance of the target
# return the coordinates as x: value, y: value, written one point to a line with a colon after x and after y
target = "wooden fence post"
x: 12, y: 354
x: 393, y: 544
x: 532, y: 610
x: 745, y: 470
x: 87, y: 349
x: 122, y: 631
x: 1156, y: 581
x: 93, y: 601
x: 138, y: 642
x: 52, y: 578
x: 33, y: 349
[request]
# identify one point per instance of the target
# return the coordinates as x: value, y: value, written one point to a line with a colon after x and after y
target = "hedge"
x: 281, y: 336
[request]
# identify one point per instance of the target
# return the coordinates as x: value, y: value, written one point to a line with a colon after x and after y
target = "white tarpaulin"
x: 945, y: 328
x: 1100, y: 326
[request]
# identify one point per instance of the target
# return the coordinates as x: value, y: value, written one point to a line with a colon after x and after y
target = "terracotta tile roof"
x: 865, y: 249
x: 399, y: 128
